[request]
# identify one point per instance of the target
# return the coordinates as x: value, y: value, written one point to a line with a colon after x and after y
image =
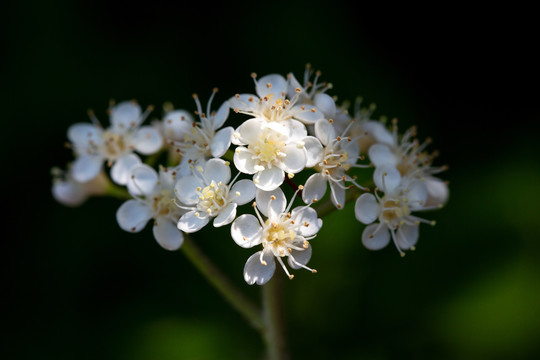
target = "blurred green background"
x: 76, y: 286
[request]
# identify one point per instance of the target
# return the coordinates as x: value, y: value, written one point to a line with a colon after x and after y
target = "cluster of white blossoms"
x: 288, y: 132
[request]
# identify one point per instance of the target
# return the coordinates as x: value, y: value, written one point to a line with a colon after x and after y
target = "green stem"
x: 209, y: 270
x: 274, y: 330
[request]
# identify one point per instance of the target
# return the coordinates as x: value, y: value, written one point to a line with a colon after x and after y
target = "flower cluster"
x: 286, y: 128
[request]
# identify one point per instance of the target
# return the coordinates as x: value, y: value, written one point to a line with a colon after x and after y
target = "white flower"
x: 340, y: 153
x: 70, y: 192
x: 282, y: 234
x: 195, y: 141
x: 409, y: 157
x: 93, y: 145
x: 393, y: 210
x: 153, y: 199
x: 273, y: 149
x: 273, y: 104
x: 206, y: 194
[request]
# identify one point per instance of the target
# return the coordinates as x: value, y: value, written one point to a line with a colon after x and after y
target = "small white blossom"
x: 273, y: 104
x: 207, y: 194
x: 393, y: 211
x: 338, y: 156
x: 282, y: 234
x: 153, y: 199
x: 115, y: 145
x: 67, y: 191
x: 272, y: 150
x: 197, y: 142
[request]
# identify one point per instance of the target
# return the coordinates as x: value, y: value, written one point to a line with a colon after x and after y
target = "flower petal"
x: 121, y: 170
x: 221, y: 115
x: 249, y: 131
x: 278, y: 85
x: 324, y: 131
x: 167, y: 234
x: 366, y: 208
x: 308, y: 114
x: 69, y: 193
x: 314, y: 151
x: 314, y: 188
x: 176, y: 124
x: 186, y: 189
x: 407, y: 236
x: 81, y: 134
x: 375, y: 240
x: 326, y: 104
x: 243, y: 191
x: 226, y: 215
x: 133, y: 215
x: 222, y: 141
x: 300, y: 257
x: 142, y: 181
x: 416, y: 194
x: 190, y: 222
x: 295, y: 159
x: 125, y: 115
x: 269, y: 179
x: 244, y: 102
x: 215, y: 169
x: 269, y: 207
x: 387, y: 178
x: 437, y: 191
x: 243, y: 160
x: 86, y: 167
x: 337, y: 195
x: 256, y: 272
x: 148, y: 140
x: 246, y: 231
x: 381, y: 154
x: 306, y: 215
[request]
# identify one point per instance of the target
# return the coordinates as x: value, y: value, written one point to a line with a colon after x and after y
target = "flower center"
x: 279, y: 236
x: 114, y: 145
x: 267, y: 150
x: 213, y: 198
x: 162, y: 204
x: 393, y: 211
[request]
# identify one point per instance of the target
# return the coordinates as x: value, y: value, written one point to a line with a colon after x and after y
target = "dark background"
x: 76, y: 286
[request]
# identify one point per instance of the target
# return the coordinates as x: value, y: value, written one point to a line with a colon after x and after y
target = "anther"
x: 300, y: 187
x: 273, y: 197
x: 313, y: 271
x: 291, y: 277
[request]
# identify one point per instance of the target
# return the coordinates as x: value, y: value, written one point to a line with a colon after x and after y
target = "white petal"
x: 379, y: 132
x: 222, y: 141
x: 366, y: 208
x: 215, y: 169
x: 186, y: 189
x: 243, y: 191
x: 243, y: 160
x: 246, y: 231
x: 416, y: 194
x: 306, y: 215
x: 314, y: 188
x: 380, y: 154
x: 81, y: 134
x: 86, y: 167
x: 301, y: 257
x: 271, y: 207
x: 437, y: 191
x: 125, y: 115
x: 324, y: 131
x: 167, y: 234
x: 249, y: 131
x: 69, y: 193
x: 221, y: 115
x: 308, y: 115
x: 387, y: 178
x: 176, y: 124
x: 121, y: 170
x: 269, y: 179
x: 378, y: 240
x: 407, y: 236
x: 190, y: 222
x: 133, y: 215
x: 278, y: 85
x: 314, y: 151
x: 148, y: 140
x: 293, y: 85
x: 326, y: 104
x: 142, y: 181
x: 226, y: 215
x: 244, y: 102
x: 295, y: 159
x: 337, y: 195
x: 256, y: 272
x: 297, y: 131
